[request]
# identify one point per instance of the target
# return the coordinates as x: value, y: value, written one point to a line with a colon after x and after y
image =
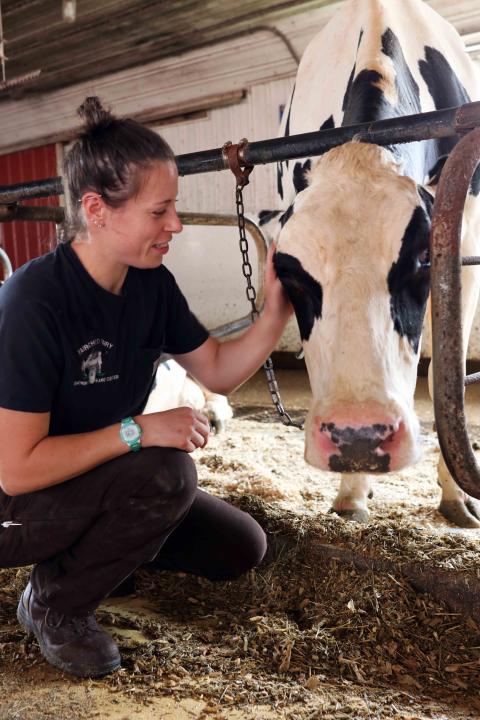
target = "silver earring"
x: 98, y: 223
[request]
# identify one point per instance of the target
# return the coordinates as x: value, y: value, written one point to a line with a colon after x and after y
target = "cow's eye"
x: 423, y: 261
x: 424, y: 258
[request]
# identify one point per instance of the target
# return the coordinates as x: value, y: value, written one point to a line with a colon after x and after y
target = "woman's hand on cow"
x: 183, y: 428
x: 276, y: 299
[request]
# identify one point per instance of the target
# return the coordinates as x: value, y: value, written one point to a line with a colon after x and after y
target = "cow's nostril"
x: 386, y: 445
x: 328, y: 440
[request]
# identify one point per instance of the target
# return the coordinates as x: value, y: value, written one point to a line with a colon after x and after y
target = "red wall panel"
x: 26, y: 240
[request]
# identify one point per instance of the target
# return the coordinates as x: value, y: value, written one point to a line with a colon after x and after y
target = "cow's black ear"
x: 427, y: 198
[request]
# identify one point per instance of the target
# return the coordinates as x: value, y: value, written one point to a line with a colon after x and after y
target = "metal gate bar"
x: 35, y: 213
x: 447, y: 341
x: 408, y: 128
x: 10, y: 194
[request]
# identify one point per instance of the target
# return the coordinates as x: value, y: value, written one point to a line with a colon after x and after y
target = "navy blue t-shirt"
x: 86, y: 355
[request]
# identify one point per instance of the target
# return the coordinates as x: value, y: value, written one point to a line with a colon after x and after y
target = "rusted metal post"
x: 447, y: 341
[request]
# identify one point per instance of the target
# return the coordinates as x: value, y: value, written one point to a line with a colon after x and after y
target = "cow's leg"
x: 218, y: 410
x: 215, y: 406
x: 351, y: 500
x: 456, y: 505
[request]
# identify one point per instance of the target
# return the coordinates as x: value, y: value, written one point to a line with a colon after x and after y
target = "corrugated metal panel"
x: 24, y: 241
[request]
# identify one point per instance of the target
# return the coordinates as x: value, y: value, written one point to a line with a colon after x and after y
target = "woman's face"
x: 140, y: 231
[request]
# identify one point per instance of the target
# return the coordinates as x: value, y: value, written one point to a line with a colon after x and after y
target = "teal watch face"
x: 131, y: 433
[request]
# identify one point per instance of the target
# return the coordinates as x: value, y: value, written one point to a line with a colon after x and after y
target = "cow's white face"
x: 352, y: 258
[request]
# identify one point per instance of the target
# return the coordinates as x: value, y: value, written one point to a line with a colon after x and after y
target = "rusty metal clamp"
x: 233, y: 158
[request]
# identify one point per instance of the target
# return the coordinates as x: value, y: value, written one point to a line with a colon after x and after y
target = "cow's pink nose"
x: 364, y: 448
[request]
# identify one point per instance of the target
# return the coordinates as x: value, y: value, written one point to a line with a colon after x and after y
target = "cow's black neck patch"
x: 286, y: 134
x: 409, y: 279
x: 304, y: 292
x: 299, y: 175
x: 265, y: 216
x: 364, y: 101
x: 329, y: 124
x: 285, y: 217
x: 442, y: 82
x: 446, y: 91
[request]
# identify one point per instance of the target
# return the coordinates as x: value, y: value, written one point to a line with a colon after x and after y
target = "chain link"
x: 252, y: 297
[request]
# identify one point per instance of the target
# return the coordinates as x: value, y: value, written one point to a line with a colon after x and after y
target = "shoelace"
x: 79, y: 624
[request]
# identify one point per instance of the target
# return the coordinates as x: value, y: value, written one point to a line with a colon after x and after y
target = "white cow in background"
x: 174, y: 388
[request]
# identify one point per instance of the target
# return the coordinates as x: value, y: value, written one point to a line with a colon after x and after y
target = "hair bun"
x: 94, y: 114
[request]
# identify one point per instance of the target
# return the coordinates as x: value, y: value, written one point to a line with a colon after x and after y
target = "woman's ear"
x: 94, y: 209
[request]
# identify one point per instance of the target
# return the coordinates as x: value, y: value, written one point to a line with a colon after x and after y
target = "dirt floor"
x: 303, y: 637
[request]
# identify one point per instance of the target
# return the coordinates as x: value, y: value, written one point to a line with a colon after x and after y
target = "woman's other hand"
x: 182, y: 428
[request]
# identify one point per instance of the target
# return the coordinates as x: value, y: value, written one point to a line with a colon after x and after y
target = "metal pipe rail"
x: 447, y: 341
x: 408, y: 128
x: 10, y: 194
x: 36, y: 213
x: 405, y: 129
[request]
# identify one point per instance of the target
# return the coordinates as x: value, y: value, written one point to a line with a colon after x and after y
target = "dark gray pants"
x: 86, y: 535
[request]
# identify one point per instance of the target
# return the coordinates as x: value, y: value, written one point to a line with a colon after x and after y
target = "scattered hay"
x: 283, y: 635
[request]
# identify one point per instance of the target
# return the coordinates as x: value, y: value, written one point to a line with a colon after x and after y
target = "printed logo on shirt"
x: 91, y: 365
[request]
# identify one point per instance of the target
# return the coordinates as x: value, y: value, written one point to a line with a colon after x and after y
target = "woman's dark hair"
x: 108, y: 157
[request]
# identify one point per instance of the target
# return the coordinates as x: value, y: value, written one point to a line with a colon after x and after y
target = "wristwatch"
x: 131, y: 433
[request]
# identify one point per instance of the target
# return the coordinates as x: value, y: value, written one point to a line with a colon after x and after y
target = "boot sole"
x: 24, y: 619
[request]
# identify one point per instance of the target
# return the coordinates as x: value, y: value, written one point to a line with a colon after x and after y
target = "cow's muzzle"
x: 361, y: 449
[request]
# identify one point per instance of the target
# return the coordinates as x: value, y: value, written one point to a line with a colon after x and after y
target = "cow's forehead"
x: 357, y: 205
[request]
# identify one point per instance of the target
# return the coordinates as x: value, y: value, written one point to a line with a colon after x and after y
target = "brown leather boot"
x: 74, y: 644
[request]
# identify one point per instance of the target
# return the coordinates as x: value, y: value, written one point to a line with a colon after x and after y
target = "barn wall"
x: 25, y: 240
x: 256, y: 117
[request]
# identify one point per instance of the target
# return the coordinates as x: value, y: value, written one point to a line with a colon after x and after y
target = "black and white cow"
x: 353, y: 246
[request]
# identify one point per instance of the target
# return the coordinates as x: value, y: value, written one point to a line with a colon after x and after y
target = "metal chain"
x: 252, y: 296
